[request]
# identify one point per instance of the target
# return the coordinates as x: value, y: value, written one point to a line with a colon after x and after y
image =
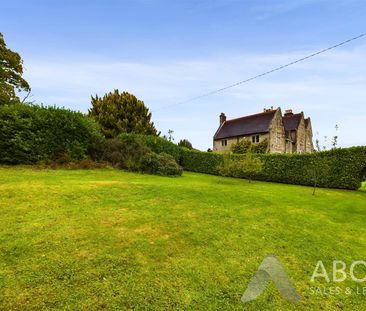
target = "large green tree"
x: 11, y: 71
x: 121, y: 113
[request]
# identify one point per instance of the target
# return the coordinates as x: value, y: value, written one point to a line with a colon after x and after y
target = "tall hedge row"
x: 338, y: 168
x: 30, y: 133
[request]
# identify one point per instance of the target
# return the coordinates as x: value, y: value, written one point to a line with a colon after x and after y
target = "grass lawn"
x: 108, y: 239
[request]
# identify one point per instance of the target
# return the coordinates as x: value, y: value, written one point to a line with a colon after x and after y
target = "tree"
x: 317, y: 143
x: 11, y: 71
x: 185, y: 143
x: 335, y: 138
x: 121, y: 113
x: 170, y: 137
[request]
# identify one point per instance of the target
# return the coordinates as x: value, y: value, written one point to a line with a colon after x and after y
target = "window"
x: 224, y: 142
x: 255, y: 139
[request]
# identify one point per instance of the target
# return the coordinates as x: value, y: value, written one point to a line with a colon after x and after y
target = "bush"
x: 345, y: 167
x: 31, y: 133
x: 262, y: 147
x: 121, y: 153
x: 131, y: 153
x: 160, y: 164
x: 245, y: 146
x: 157, y: 144
x: 241, y: 147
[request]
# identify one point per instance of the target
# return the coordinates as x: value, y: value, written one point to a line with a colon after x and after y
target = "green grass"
x: 107, y: 239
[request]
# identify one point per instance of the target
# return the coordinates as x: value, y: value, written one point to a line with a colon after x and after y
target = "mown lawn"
x: 108, y: 239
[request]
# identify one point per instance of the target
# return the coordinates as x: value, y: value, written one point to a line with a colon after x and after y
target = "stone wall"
x: 217, y: 144
x: 309, y: 147
x: 301, y: 137
x: 277, y: 142
x: 218, y: 147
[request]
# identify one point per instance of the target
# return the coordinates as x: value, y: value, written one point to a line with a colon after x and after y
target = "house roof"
x: 291, y: 121
x: 253, y: 124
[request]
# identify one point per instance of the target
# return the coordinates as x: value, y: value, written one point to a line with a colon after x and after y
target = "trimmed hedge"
x: 345, y: 168
x: 31, y: 133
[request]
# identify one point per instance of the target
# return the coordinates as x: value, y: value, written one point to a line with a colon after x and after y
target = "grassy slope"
x: 110, y: 239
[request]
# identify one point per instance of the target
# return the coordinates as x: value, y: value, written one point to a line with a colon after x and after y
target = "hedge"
x: 338, y: 168
x: 32, y: 133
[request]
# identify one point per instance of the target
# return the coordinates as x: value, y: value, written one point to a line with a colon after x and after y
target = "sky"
x: 166, y: 52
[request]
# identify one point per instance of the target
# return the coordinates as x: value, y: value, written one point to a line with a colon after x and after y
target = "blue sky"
x: 165, y: 52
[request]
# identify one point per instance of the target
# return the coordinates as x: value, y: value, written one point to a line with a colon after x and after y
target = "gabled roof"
x: 253, y: 124
x: 291, y: 121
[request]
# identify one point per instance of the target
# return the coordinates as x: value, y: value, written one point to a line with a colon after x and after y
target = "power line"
x: 265, y: 73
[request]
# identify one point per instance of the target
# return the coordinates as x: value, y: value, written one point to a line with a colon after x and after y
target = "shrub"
x: 262, y: 147
x: 241, y: 147
x: 121, y: 153
x: 346, y: 166
x: 31, y: 133
x: 160, y: 164
x: 157, y: 144
x: 245, y: 146
x: 225, y: 168
x: 131, y: 153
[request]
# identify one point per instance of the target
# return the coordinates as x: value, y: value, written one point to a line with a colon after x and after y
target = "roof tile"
x: 253, y: 124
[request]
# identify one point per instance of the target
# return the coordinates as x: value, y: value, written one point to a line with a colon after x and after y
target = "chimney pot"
x: 288, y: 112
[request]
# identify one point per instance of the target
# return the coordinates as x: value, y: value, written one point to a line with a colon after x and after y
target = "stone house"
x: 288, y: 133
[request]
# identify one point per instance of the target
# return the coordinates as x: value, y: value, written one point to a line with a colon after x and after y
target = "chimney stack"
x: 222, y: 118
x: 288, y: 112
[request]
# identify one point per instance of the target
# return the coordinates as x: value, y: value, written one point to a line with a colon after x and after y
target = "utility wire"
x: 265, y: 73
